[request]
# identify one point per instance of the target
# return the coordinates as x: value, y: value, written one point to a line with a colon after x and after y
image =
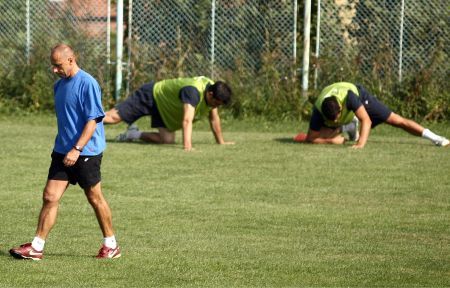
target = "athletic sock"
x: 38, y: 244
x: 427, y: 134
x: 348, y: 127
x: 110, y: 242
x: 133, y: 134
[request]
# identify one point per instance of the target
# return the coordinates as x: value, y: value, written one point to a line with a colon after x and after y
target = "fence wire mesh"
x: 178, y: 38
x: 390, y: 38
x: 214, y: 37
x: 28, y: 29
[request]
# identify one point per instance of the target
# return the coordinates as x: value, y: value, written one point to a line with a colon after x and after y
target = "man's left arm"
x: 366, y: 124
x: 86, y: 135
x: 354, y: 104
x: 216, y: 128
x: 188, y: 119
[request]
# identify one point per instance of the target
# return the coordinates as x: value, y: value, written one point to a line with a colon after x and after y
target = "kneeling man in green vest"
x: 345, y: 107
x: 173, y: 104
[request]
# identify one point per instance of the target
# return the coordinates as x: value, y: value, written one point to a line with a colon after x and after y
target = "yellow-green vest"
x: 340, y: 91
x: 167, y: 97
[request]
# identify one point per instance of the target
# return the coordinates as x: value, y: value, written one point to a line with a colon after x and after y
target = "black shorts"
x: 85, y: 172
x: 378, y: 112
x: 141, y: 103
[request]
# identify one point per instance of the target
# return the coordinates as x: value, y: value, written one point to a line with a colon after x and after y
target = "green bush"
x: 27, y: 87
x: 270, y: 93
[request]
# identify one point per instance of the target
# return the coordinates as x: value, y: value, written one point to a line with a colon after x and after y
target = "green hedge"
x: 272, y: 94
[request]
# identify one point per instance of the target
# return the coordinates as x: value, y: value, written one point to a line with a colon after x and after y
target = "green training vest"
x: 167, y: 97
x: 340, y: 91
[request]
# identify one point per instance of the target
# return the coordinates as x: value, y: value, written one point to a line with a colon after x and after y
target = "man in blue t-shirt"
x: 77, y: 154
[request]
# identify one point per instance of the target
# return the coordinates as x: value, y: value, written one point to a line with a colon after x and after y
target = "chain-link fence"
x: 29, y: 28
x: 209, y: 37
x: 222, y: 37
x: 390, y: 38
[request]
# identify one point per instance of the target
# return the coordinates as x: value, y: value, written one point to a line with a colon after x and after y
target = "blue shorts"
x: 141, y: 103
x: 378, y: 112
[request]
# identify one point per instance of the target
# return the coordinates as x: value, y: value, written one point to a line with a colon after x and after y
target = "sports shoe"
x: 125, y: 137
x: 352, y: 129
x: 26, y: 251
x: 442, y: 142
x: 300, y: 137
x: 108, y: 253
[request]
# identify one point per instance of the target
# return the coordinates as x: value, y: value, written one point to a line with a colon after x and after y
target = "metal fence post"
x: 294, y: 48
x: 400, y: 54
x: 213, y: 28
x: 129, y: 43
x: 28, y: 32
x: 119, y: 49
x: 316, y: 68
x: 306, y: 43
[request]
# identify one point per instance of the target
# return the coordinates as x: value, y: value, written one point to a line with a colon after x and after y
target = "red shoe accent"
x: 108, y: 253
x: 300, y: 137
x: 26, y: 251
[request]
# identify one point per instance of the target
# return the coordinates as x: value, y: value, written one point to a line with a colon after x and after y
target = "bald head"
x: 63, y: 50
x: 63, y: 61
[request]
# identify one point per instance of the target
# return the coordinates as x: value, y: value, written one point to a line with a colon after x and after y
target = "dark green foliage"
x: 27, y: 84
x: 263, y: 86
x: 271, y: 93
x: 28, y: 87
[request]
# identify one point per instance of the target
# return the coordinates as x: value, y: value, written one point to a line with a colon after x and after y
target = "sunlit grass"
x: 264, y: 212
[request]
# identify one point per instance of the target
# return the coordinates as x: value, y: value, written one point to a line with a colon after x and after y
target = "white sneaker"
x: 352, y: 129
x: 125, y: 137
x: 442, y: 142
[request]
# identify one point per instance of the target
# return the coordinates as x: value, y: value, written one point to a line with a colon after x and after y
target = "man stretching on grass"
x: 77, y: 153
x: 335, y: 110
x: 172, y: 104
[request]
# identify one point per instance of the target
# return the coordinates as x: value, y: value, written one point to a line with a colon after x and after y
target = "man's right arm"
x: 366, y: 125
x: 190, y: 98
x: 316, y: 132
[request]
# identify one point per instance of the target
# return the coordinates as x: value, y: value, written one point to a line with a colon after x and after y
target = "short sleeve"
x: 353, y: 101
x: 92, y: 105
x: 316, y: 121
x: 190, y: 95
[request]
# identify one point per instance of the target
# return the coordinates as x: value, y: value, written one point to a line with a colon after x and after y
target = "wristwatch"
x: 78, y: 148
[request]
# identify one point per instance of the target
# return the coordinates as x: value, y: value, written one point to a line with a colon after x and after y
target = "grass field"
x: 262, y: 213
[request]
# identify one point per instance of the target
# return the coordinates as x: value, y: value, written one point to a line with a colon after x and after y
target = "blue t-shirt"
x: 78, y: 100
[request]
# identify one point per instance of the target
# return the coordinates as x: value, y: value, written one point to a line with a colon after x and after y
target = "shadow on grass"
x: 289, y: 140
x: 410, y: 142
x: 114, y: 141
x: 5, y: 253
x: 128, y: 142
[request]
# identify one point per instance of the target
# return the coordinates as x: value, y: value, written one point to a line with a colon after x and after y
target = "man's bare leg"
x: 164, y: 136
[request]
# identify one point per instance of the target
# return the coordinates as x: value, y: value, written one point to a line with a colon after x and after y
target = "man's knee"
x: 50, y: 198
x: 166, y: 136
x: 167, y: 141
x: 396, y: 120
x: 94, y: 194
